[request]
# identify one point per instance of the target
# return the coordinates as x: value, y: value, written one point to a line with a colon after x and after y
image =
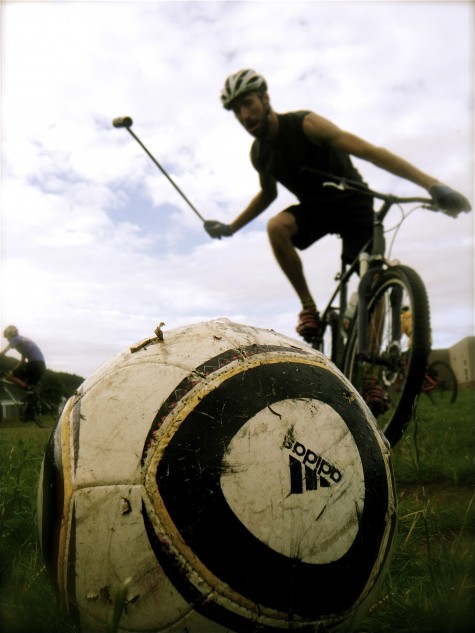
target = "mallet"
x: 126, y: 121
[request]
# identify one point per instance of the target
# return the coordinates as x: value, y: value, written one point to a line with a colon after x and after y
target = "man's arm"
x: 319, y: 129
x: 5, y: 349
x: 263, y: 199
x: 260, y: 202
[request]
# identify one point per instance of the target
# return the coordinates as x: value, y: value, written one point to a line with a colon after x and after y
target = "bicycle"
x: 372, y: 351
x: 440, y: 383
x: 33, y: 407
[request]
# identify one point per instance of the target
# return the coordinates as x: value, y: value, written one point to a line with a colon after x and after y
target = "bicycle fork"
x: 371, y: 267
x: 370, y: 334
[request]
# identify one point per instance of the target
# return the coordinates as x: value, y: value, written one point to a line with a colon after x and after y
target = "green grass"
x: 27, y: 600
x: 429, y: 587
x: 430, y: 584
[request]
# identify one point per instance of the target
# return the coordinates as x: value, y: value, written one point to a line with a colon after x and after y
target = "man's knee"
x: 281, y: 226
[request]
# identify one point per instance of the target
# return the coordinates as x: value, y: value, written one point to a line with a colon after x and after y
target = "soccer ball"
x: 216, y: 478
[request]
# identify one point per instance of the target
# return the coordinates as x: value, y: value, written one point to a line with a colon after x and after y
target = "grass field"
x: 429, y: 587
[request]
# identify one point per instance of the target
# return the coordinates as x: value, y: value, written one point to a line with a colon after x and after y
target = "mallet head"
x: 122, y: 121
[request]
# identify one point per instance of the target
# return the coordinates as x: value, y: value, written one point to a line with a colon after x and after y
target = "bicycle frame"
x: 376, y: 262
x: 341, y: 291
x: 20, y: 402
x: 430, y: 383
x: 6, y: 384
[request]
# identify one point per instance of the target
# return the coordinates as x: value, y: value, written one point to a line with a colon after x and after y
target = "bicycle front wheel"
x: 440, y: 383
x: 390, y: 372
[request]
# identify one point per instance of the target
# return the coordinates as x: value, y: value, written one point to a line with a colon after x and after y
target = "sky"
x: 98, y: 248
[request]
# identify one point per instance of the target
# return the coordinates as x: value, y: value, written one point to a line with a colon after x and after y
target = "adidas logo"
x: 308, y: 470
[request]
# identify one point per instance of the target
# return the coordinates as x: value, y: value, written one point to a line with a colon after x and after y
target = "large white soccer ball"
x: 223, y: 478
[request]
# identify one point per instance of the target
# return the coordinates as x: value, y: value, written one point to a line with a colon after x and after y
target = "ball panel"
x: 295, y: 499
x: 108, y: 551
x: 112, y: 421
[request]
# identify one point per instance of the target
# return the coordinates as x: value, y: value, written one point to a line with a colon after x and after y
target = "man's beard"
x: 263, y: 130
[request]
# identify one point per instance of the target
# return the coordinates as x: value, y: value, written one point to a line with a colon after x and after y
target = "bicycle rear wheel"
x: 33, y: 410
x: 395, y: 364
x: 440, y: 383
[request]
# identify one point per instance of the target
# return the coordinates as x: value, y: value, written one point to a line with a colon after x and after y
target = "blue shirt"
x: 27, y: 348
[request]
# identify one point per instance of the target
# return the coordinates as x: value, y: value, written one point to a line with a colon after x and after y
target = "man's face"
x: 251, y: 110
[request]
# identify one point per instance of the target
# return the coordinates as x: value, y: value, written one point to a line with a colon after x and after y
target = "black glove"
x: 217, y: 229
x: 448, y: 200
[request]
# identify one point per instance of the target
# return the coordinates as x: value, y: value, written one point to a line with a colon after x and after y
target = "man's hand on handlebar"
x: 217, y: 229
x: 449, y: 201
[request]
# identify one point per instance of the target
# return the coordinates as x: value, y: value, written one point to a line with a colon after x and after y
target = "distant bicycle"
x: 32, y: 406
x: 440, y: 383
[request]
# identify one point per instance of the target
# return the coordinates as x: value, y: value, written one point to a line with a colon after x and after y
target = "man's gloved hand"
x: 217, y: 229
x: 448, y: 200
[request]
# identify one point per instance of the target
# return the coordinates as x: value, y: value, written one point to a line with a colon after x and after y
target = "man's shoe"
x: 376, y: 398
x: 309, y: 323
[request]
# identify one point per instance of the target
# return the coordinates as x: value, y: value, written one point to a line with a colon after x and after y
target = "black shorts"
x: 30, y: 372
x: 354, y: 224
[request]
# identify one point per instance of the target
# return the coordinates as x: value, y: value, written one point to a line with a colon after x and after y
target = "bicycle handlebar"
x: 342, y: 183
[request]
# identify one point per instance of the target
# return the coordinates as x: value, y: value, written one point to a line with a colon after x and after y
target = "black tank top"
x: 291, y: 151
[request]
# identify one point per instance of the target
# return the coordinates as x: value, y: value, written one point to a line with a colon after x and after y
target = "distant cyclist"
x: 32, y: 363
x: 285, y: 150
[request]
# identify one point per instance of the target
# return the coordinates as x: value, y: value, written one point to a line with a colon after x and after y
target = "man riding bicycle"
x: 31, y: 366
x: 289, y: 149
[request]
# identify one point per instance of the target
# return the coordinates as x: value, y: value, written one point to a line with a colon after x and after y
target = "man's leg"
x: 280, y: 230
x: 15, y: 380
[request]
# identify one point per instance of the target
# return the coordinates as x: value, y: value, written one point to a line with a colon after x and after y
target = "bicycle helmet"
x: 10, y: 331
x: 239, y: 83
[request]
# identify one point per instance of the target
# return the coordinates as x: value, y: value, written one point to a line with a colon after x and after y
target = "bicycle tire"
x: 398, y: 369
x: 445, y: 390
